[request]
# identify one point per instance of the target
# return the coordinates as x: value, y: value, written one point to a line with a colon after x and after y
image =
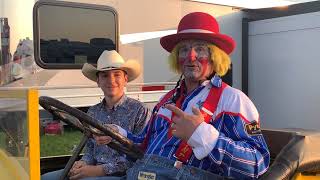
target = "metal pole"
x: 5, y: 51
x: 1, y: 52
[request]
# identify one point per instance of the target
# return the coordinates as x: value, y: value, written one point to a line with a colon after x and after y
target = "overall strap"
x: 208, y: 108
x: 165, y: 99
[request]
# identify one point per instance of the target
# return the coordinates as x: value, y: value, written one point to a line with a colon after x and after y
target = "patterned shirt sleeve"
x: 88, y: 151
x: 140, y: 137
x: 142, y: 119
x: 238, y: 153
x: 240, y: 149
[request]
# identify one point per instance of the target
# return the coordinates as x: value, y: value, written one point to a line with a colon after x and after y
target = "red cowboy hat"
x: 202, y: 26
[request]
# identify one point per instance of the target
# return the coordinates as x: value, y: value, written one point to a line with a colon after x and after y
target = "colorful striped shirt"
x: 240, y: 150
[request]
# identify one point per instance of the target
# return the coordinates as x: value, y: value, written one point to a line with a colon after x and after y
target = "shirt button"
x: 193, y: 171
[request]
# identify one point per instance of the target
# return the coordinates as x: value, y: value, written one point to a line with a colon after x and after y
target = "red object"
x: 17, y: 59
x: 201, y: 26
x: 53, y: 128
x: 157, y: 107
x: 152, y: 88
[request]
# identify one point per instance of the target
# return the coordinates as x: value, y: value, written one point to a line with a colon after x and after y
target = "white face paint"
x: 194, y: 59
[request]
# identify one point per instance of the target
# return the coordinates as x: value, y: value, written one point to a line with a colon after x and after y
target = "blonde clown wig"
x: 220, y: 60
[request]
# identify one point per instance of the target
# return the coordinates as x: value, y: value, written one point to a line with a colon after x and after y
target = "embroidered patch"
x: 146, y: 175
x: 253, y: 128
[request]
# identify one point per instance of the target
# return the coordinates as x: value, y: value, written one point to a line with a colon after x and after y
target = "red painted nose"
x: 192, y: 55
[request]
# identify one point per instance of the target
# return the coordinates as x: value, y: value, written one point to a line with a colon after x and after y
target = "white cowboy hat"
x: 110, y: 60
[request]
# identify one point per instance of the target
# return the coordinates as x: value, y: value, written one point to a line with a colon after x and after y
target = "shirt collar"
x: 120, y: 103
x: 216, y: 81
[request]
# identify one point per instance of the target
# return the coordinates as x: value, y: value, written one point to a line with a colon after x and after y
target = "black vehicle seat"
x: 300, y: 154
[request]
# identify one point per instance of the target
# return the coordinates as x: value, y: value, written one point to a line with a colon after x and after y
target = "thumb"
x: 196, y: 111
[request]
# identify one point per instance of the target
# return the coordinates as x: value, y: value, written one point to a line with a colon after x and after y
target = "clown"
x: 202, y: 129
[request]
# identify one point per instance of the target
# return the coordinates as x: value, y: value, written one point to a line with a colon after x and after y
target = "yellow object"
x: 27, y: 167
x: 33, y: 123
x: 10, y: 168
x: 301, y: 176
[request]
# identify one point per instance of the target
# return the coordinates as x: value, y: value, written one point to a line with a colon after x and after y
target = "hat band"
x: 108, y: 68
x: 196, y: 31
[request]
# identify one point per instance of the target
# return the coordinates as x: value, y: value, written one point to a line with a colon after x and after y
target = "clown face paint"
x: 194, y: 60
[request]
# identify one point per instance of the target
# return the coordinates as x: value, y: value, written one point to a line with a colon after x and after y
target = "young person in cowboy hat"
x: 112, y: 74
x: 202, y: 129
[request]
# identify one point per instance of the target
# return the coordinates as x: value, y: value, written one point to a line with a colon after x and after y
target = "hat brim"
x: 224, y: 42
x: 131, y: 67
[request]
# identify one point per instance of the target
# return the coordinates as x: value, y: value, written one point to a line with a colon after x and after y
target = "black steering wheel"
x: 88, y: 126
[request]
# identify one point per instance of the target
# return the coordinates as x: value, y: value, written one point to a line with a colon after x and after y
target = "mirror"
x: 67, y: 34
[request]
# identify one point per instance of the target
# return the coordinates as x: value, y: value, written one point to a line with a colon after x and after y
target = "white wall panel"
x: 284, y: 62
